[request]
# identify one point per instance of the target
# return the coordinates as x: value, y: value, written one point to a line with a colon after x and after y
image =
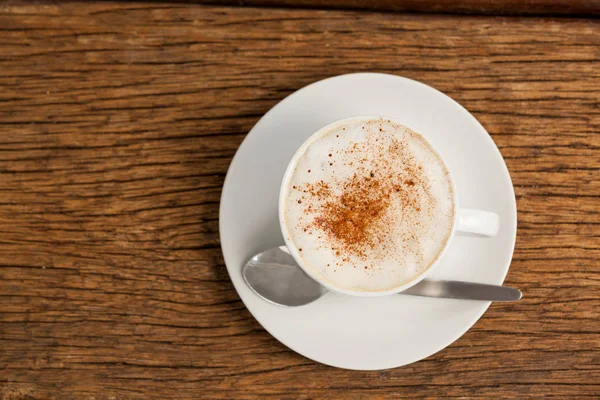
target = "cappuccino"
x: 368, y: 205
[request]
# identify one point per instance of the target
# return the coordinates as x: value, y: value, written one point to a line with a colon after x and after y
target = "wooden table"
x: 118, y: 122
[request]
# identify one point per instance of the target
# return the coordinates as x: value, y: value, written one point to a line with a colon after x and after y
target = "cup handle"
x: 481, y: 222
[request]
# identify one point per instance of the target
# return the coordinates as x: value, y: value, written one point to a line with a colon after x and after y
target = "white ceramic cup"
x: 484, y: 223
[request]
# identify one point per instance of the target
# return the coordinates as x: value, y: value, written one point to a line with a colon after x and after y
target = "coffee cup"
x: 368, y: 207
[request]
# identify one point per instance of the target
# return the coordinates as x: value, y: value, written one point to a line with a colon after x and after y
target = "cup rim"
x: 292, y: 247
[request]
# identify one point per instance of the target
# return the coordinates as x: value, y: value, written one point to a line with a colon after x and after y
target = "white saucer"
x: 368, y: 333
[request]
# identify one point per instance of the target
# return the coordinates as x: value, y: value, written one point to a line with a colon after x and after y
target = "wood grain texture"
x: 118, y: 122
x: 586, y: 8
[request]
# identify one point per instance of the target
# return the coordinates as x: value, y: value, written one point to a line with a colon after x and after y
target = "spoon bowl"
x: 275, y: 276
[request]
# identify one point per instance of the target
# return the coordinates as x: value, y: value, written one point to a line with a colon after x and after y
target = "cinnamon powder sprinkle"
x: 351, y: 217
x: 355, y: 217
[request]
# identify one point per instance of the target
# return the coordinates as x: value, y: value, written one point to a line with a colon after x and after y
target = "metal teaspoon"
x: 275, y: 276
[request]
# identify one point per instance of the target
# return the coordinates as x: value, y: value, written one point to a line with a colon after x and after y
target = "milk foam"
x: 408, y: 233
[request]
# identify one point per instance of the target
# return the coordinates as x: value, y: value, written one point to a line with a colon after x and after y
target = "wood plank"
x: 589, y: 8
x: 118, y: 122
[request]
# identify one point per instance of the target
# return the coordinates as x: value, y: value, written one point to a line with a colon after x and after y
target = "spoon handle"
x: 463, y: 290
